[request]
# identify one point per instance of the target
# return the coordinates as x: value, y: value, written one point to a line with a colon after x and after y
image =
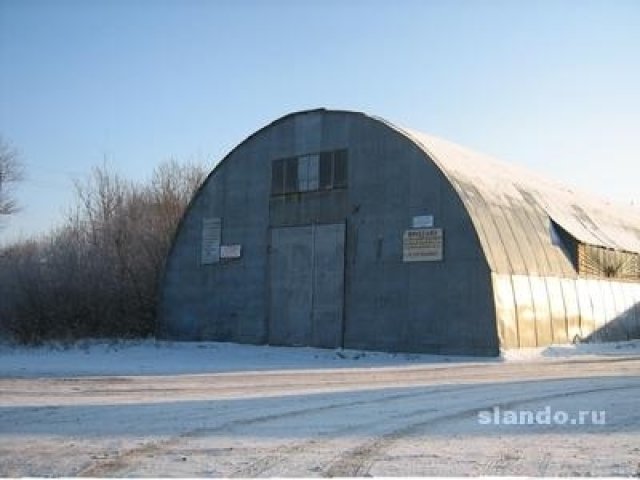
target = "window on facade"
x: 309, y: 173
x: 340, y: 169
x: 277, y: 177
x: 291, y: 175
x: 603, y: 262
x: 326, y: 171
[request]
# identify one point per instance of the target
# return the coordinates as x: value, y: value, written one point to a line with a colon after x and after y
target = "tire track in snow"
x: 357, y: 461
x: 106, y: 467
x: 348, y: 464
x: 549, y: 372
x: 111, y: 390
x: 283, y: 453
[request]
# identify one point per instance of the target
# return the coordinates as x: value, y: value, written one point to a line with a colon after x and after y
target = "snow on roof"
x: 512, y: 208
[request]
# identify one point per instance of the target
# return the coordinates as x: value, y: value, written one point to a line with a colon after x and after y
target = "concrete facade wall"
x: 443, y: 307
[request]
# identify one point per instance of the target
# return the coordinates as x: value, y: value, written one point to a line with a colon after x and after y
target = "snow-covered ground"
x: 581, y: 350
x: 213, y: 409
x: 152, y: 357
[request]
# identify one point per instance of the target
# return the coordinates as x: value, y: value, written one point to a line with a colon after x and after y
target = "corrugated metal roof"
x: 511, y: 208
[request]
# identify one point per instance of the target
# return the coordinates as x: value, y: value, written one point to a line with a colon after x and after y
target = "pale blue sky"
x: 554, y: 85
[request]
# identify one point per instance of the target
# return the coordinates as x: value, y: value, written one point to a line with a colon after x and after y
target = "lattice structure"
x: 602, y: 262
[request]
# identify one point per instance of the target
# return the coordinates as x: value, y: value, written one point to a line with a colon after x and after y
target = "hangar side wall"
x: 443, y: 307
x: 540, y: 297
x: 538, y: 311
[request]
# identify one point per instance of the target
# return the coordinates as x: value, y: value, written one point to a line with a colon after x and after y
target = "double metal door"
x: 307, y: 285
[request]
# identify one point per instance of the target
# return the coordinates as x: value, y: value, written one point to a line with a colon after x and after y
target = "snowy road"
x: 398, y: 419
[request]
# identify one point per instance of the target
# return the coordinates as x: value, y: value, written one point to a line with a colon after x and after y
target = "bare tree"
x: 98, y: 274
x: 11, y: 172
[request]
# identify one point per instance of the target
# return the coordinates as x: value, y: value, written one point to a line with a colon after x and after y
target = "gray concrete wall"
x: 424, y: 306
x: 442, y: 307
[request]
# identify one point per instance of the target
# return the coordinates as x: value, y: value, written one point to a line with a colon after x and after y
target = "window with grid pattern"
x: 309, y: 173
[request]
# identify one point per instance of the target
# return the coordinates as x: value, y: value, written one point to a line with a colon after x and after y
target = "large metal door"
x: 307, y: 285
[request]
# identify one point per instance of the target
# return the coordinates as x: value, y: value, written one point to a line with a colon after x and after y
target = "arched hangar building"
x: 338, y: 229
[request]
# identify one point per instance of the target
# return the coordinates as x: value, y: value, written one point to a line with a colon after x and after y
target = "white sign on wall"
x: 211, y: 235
x: 422, y: 221
x: 230, y: 251
x: 422, y: 245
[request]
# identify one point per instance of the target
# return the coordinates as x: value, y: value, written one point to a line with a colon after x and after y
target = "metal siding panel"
x: 424, y: 328
x: 556, y: 265
x: 572, y: 308
x: 391, y: 302
x: 622, y: 316
x: 528, y: 239
x: 395, y: 188
x: 626, y: 296
x: 291, y: 286
x: 481, y: 308
x: 587, y: 317
x: 461, y: 239
x: 557, y: 261
x: 635, y: 299
x: 611, y: 312
x: 429, y: 191
x: 462, y: 296
x: 541, y: 305
x: 488, y: 232
x: 631, y: 294
x: 525, y: 311
x: 561, y: 262
x: 328, y: 285
x: 539, y: 223
x: 362, y: 315
x: 512, y: 249
x: 280, y: 141
x: 623, y: 323
x: 335, y: 135
x: 597, y: 300
x: 492, y: 251
x: 308, y: 132
x: 627, y: 299
x: 251, y: 314
x: 558, y: 311
x: 506, y: 317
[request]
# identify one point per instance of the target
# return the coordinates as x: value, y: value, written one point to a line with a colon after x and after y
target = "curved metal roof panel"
x: 511, y: 208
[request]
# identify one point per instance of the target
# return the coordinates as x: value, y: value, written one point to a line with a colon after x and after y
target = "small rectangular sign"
x: 230, y: 251
x: 422, y: 245
x: 422, y: 221
x: 211, y: 235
